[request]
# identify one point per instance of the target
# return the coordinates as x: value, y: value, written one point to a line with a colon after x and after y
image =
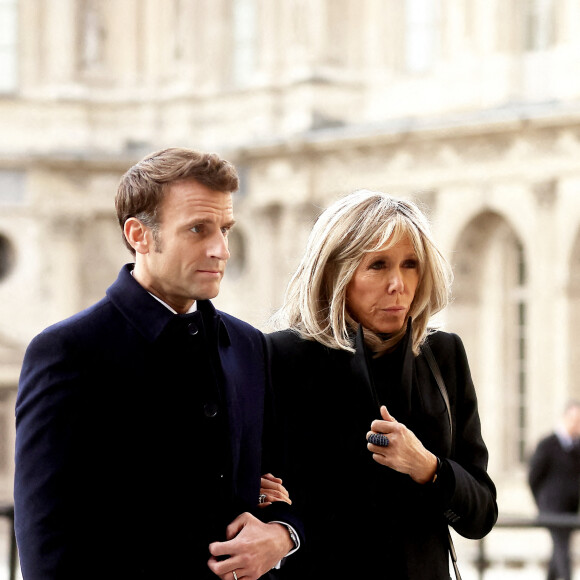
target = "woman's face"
x: 383, y: 287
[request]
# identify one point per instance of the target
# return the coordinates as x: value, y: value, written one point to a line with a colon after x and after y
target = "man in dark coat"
x: 554, y: 478
x: 139, y: 420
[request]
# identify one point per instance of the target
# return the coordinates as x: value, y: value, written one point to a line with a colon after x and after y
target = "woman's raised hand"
x: 271, y: 490
x: 401, y: 450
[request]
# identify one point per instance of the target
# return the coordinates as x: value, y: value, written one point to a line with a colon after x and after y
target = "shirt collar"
x: 192, y: 308
x: 148, y: 316
x: 564, y: 437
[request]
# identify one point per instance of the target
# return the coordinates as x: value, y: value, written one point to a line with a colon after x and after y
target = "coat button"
x: 210, y: 409
x: 192, y: 328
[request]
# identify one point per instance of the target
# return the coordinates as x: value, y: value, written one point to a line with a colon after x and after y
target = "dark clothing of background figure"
x: 362, y: 519
x: 554, y: 478
x: 138, y: 439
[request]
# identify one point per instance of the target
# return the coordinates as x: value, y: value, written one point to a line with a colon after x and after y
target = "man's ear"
x: 138, y: 235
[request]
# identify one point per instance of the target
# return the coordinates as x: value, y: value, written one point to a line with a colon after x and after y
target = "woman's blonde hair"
x: 363, y: 221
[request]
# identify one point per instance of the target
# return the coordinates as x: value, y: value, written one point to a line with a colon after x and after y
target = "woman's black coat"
x: 362, y: 519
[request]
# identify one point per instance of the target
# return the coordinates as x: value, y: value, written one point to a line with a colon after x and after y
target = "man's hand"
x: 253, y: 548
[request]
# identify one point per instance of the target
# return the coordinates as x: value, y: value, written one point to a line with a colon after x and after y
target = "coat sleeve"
x: 273, y: 456
x: 466, y: 492
x: 45, y: 458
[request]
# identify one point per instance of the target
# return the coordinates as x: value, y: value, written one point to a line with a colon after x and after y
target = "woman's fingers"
x: 271, y: 490
x: 397, y: 447
x: 271, y: 478
x: 386, y: 415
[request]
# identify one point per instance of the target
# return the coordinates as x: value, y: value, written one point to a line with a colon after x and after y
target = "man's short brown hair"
x: 143, y: 187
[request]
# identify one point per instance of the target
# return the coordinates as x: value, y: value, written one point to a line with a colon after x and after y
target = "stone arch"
x: 489, y: 312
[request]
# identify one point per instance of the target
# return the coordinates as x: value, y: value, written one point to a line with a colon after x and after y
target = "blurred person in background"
x: 554, y: 478
x: 139, y: 420
x: 383, y: 445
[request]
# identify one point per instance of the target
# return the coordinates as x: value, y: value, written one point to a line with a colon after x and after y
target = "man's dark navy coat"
x: 138, y: 438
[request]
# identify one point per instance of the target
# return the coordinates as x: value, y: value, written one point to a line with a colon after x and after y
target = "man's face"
x: 188, y: 261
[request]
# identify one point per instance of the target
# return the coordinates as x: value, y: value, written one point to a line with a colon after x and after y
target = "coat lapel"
x: 420, y: 394
x: 408, y: 378
x: 360, y: 370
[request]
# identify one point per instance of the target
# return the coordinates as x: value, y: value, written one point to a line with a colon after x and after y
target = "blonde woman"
x: 383, y: 449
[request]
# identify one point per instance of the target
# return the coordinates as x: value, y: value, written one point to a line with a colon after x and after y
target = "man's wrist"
x: 295, y: 540
x: 293, y: 537
x: 437, y: 470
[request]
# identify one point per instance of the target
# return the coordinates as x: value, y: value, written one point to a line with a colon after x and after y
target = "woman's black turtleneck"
x: 386, y: 371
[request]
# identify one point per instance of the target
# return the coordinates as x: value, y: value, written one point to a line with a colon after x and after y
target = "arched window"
x: 489, y: 312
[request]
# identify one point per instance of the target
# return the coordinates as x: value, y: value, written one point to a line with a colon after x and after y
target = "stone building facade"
x: 470, y: 107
